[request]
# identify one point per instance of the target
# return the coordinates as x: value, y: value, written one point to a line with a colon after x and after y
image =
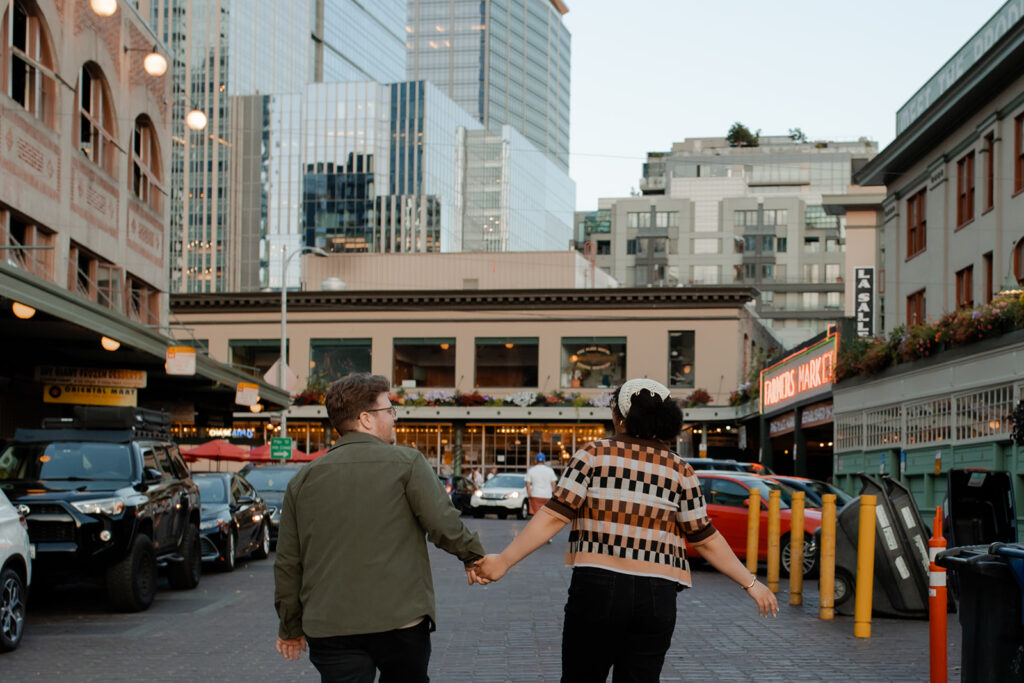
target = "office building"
x: 223, y: 49
x: 715, y: 214
x: 503, y: 61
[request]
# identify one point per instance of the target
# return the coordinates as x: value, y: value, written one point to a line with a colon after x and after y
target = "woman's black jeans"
x: 616, y: 621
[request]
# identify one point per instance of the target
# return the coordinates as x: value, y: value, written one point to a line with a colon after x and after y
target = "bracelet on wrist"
x: 753, y: 580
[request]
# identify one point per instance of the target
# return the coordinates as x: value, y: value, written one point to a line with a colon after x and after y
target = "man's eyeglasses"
x: 391, y: 409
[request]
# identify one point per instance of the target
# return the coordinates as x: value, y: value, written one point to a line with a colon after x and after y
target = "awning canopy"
x: 66, y: 331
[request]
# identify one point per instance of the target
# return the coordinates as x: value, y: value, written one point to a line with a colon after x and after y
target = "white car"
x: 15, y: 573
x: 503, y: 494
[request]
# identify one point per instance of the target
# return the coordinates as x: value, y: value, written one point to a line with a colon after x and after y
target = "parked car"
x: 270, y: 481
x: 727, y: 494
x: 727, y: 465
x: 813, y: 489
x: 109, y: 499
x: 15, y: 573
x: 503, y: 494
x: 461, y: 491
x: 234, y: 519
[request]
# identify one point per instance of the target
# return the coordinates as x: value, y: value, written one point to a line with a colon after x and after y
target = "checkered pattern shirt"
x: 631, y: 503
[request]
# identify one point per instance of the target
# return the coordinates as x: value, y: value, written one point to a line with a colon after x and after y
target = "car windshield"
x: 821, y: 488
x: 506, y: 481
x: 211, y: 490
x: 66, y: 461
x: 766, y: 487
x: 270, y: 478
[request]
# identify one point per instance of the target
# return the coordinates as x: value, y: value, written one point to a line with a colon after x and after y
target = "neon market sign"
x: 593, y: 358
x: 809, y: 372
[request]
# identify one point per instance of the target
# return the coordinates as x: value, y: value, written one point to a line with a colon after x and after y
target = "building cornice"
x: 632, y: 298
x: 972, y: 92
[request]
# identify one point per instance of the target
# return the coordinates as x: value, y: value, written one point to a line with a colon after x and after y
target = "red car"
x: 727, y: 494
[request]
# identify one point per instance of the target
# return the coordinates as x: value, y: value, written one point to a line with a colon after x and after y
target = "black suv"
x: 109, y: 498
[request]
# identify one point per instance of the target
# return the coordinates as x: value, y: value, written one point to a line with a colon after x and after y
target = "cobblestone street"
x: 508, y: 631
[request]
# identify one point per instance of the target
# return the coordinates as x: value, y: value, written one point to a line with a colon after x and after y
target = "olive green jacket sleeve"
x: 438, y: 517
x: 288, y: 570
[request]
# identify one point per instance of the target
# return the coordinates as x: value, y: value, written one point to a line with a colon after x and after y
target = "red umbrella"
x: 218, y: 449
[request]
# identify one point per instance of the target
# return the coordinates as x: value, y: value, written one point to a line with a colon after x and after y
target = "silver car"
x: 15, y: 573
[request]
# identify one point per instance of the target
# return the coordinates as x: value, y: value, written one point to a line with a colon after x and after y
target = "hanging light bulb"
x: 155, y: 64
x: 110, y: 344
x: 22, y: 311
x: 104, y: 8
x: 195, y: 119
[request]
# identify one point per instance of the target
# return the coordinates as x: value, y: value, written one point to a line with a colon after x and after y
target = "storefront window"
x: 593, y: 361
x: 335, y: 358
x: 424, y: 362
x: 680, y: 359
x: 506, y: 362
x: 255, y: 356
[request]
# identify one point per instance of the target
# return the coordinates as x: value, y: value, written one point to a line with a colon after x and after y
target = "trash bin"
x: 991, y: 612
x: 978, y: 508
x: 901, y: 552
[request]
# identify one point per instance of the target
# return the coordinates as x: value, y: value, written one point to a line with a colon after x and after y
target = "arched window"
x: 96, y: 133
x: 146, y: 184
x: 28, y: 76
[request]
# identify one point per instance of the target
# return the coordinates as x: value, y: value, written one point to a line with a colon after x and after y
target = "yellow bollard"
x: 827, y: 570
x: 796, y: 550
x: 774, y: 500
x: 753, y: 529
x: 865, y: 568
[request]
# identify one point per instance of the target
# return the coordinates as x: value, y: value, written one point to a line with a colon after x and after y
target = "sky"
x: 648, y: 73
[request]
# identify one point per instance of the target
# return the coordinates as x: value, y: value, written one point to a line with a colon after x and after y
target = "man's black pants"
x: 401, y: 655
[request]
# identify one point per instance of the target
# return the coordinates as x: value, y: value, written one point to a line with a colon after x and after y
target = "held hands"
x: 291, y: 648
x: 765, y: 599
x: 491, y: 568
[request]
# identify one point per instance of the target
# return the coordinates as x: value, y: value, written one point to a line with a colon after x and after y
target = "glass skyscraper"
x: 347, y: 167
x: 225, y: 49
x: 503, y: 61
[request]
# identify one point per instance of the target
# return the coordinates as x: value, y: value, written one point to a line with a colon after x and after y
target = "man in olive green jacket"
x: 352, y: 575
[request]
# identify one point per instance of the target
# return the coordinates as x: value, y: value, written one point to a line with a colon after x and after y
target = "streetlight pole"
x: 281, y: 366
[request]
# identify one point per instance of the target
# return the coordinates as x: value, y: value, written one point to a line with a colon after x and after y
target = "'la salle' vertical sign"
x: 864, y: 294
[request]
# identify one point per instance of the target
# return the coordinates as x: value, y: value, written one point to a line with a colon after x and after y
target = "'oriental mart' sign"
x: 806, y: 374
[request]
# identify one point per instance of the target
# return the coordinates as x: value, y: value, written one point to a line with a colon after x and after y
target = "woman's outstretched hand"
x: 491, y: 567
x: 765, y: 599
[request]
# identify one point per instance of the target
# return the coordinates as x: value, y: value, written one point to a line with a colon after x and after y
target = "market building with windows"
x: 491, y: 376
x: 938, y: 391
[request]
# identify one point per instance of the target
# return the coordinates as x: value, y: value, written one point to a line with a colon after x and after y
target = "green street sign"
x: 281, y: 448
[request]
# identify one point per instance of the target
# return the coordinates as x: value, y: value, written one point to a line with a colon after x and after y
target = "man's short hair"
x: 351, y: 395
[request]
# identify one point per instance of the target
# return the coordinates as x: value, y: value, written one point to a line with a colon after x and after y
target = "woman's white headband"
x: 632, y: 387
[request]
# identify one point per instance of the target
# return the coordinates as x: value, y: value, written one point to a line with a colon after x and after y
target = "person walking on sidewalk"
x: 540, y: 483
x: 352, y: 575
x: 631, y: 502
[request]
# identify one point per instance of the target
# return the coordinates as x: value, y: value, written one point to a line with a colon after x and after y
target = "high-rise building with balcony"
x: 716, y: 214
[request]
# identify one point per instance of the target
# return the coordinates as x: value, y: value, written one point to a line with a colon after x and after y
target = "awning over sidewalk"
x: 66, y: 331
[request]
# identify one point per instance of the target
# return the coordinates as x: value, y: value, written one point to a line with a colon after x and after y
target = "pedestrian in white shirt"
x: 540, y: 483
x: 477, y: 477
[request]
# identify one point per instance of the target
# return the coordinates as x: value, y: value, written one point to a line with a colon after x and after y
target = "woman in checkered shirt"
x: 631, y: 502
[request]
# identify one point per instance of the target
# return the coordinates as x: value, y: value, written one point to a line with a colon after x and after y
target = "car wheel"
x: 524, y: 510
x: 810, y: 560
x: 185, y: 572
x: 12, y: 609
x: 131, y: 582
x: 227, y: 559
x: 262, y: 551
x: 843, y: 587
